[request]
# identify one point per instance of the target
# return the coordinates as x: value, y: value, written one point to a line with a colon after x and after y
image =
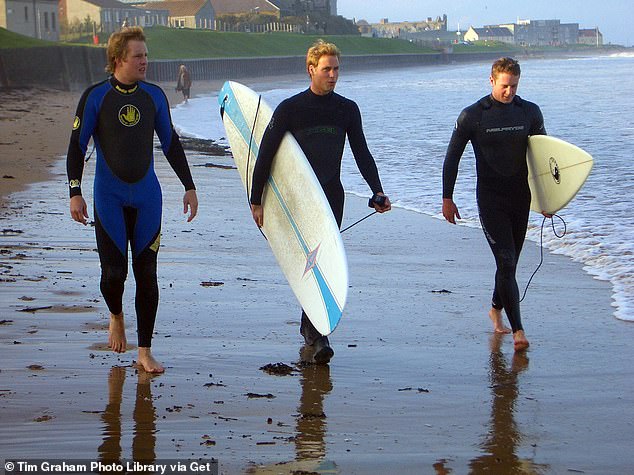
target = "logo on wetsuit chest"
x: 129, y: 115
x: 554, y: 170
x: 320, y: 129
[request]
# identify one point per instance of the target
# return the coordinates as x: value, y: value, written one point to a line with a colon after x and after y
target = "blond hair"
x: 505, y: 65
x: 117, y: 48
x: 318, y: 49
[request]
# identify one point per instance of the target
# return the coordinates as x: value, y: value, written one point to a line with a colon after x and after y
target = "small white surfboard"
x: 556, y: 172
x: 298, y: 222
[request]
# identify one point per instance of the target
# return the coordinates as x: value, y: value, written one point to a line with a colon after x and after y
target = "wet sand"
x: 419, y: 383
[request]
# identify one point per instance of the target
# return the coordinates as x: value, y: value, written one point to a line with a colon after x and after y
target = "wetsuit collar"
x: 319, y: 97
x: 123, y: 88
x: 489, y: 101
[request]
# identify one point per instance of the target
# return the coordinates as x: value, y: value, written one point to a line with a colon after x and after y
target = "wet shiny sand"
x: 418, y: 384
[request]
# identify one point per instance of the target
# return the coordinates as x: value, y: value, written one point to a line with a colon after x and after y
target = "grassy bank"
x: 170, y: 43
x: 8, y: 39
x: 183, y: 43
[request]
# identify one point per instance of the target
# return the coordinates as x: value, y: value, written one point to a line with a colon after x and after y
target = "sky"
x: 613, y: 17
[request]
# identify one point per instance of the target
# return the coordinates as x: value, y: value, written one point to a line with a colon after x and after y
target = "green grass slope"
x: 170, y: 43
x: 9, y: 39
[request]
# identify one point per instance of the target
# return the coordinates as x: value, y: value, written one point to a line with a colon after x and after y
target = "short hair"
x: 118, y: 44
x: 505, y: 65
x: 318, y: 49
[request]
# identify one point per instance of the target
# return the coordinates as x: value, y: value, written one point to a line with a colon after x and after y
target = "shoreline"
x: 415, y: 349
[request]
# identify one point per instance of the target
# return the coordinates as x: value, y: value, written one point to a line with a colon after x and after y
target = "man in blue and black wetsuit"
x: 320, y: 120
x: 498, y: 127
x: 121, y: 114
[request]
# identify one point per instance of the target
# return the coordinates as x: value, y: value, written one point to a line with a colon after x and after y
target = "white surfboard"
x: 556, y: 172
x: 298, y: 222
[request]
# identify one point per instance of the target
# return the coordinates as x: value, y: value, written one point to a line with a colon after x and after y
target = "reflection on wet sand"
x: 504, y: 436
x: 311, y: 423
x: 310, y: 443
x: 144, y: 415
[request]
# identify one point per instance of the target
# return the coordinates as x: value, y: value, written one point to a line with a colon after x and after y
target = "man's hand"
x: 386, y: 206
x: 450, y: 210
x: 190, y: 202
x: 258, y: 215
x: 78, y: 209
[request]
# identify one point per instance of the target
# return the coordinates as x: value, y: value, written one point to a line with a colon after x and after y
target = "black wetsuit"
x: 122, y: 120
x: 499, y: 135
x: 320, y: 125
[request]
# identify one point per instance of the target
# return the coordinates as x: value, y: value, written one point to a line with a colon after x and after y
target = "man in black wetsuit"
x: 121, y: 114
x: 320, y: 120
x: 498, y: 126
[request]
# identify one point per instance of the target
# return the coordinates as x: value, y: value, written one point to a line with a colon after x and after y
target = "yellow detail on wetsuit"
x: 126, y: 91
x: 129, y: 115
x: 157, y: 242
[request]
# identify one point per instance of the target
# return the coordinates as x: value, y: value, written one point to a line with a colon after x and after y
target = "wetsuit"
x: 499, y: 135
x: 320, y: 125
x: 122, y: 120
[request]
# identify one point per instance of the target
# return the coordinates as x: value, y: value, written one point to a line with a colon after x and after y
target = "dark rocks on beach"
x: 277, y: 369
x: 259, y: 396
x: 419, y: 390
x: 215, y: 165
x: 204, y: 146
x: 211, y: 284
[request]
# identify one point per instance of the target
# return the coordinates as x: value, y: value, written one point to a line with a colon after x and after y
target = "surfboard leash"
x: 248, y: 186
x: 255, y: 120
x: 357, y: 222
x: 541, y: 246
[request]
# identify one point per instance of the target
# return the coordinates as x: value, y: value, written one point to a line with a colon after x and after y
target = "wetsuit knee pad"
x: 112, y: 283
x: 506, y: 261
x: 113, y: 275
x: 145, y: 273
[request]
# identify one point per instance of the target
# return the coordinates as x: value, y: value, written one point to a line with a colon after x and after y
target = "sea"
x: 408, y: 116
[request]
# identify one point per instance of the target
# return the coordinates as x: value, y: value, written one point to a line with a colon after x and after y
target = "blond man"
x: 320, y: 120
x: 122, y: 114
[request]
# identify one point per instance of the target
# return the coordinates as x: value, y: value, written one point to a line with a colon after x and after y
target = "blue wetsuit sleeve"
x: 361, y: 152
x: 171, y: 144
x: 84, y: 125
x: 273, y: 135
x: 457, y: 144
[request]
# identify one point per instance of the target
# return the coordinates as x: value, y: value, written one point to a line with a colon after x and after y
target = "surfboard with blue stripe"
x: 298, y: 222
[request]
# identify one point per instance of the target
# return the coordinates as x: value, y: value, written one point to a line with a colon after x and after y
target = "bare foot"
x: 496, y: 317
x: 116, y: 338
x: 520, y: 341
x: 147, y: 361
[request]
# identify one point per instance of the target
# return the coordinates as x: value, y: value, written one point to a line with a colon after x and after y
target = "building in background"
x: 236, y: 7
x: 302, y: 7
x: 185, y: 13
x: 387, y: 29
x: 591, y: 36
x: 490, y: 33
x: 107, y: 16
x: 545, y: 33
x: 35, y: 18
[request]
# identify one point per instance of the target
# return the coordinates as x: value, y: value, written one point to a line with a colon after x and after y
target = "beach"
x: 419, y: 382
